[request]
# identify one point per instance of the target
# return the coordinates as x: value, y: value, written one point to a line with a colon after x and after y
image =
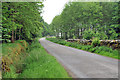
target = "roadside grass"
x: 13, y: 55
x: 101, y: 50
x: 11, y: 48
x: 36, y: 63
x: 43, y: 64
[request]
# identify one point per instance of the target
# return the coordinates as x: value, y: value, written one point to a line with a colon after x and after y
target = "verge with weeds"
x: 101, y: 50
x: 35, y: 63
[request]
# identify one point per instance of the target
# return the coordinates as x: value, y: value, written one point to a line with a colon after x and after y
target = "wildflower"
x: 40, y: 65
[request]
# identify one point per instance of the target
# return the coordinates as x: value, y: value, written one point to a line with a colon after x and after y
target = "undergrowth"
x: 101, y: 50
x: 35, y: 63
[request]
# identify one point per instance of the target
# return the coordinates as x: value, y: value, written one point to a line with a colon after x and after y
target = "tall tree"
x: 21, y: 20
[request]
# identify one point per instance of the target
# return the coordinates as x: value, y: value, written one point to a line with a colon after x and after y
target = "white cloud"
x: 52, y: 8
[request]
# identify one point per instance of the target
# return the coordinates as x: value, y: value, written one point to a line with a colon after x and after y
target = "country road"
x: 82, y: 64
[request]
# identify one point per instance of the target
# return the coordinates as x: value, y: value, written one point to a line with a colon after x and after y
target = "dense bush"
x: 102, y: 50
x: 93, y: 49
x: 112, y: 34
x: 99, y: 35
x: 95, y: 42
x: 90, y: 32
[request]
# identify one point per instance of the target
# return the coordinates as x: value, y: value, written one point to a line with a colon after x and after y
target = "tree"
x: 79, y: 17
x: 21, y: 20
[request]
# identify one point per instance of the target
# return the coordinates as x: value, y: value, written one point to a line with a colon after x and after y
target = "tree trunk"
x: 70, y: 35
x: 19, y: 34
x: 12, y: 38
x: 15, y: 34
x: 66, y: 36
x: 57, y: 35
x: 61, y: 35
x: 78, y: 33
x: 81, y: 31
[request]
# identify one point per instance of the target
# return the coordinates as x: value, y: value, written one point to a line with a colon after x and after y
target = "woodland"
x: 86, y: 20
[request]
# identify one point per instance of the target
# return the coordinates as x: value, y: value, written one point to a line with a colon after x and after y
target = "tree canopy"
x: 22, y: 20
x: 87, y: 20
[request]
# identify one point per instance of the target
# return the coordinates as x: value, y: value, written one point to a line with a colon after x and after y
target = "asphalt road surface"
x: 82, y: 64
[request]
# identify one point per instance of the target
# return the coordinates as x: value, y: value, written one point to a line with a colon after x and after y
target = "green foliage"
x: 11, y: 74
x: 87, y: 20
x: 22, y: 21
x: 36, y: 63
x: 84, y: 47
x: 88, y: 34
x: 100, y: 35
x: 102, y: 50
x: 95, y: 42
x: 105, y: 49
x: 46, y: 30
x: 42, y: 63
x: 112, y: 34
x: 93, y: 49
x: 9, y: 48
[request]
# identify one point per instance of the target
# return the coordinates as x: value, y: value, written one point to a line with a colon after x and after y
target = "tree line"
x: 87, y: 20
x: 22, y: 20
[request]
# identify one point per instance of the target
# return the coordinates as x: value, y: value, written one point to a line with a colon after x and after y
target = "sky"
x: 55, y: 7
x: 52, y: 8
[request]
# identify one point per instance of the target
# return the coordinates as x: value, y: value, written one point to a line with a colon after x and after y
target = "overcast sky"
x: 52, y: 8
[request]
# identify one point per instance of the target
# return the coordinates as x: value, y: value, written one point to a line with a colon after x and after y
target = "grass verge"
x: 101, y: 50
x: 37, y: 63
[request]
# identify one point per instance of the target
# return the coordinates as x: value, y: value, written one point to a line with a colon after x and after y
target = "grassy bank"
x: 13, y: 55
x: 35, y: 62
x: 101, y: 50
